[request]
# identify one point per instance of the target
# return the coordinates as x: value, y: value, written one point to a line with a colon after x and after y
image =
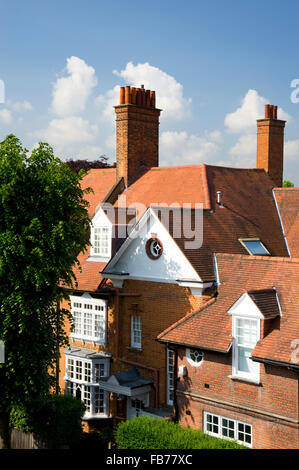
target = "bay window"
x: 89, y: 319
x: 81, y: 379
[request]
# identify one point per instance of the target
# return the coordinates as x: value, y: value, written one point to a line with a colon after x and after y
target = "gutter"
x: 289, y: 365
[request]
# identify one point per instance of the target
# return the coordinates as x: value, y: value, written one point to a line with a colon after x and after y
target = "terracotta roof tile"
x: 211, y: 326
x: 288, y: 205
x: 101, y: 181
x: 266, y: 301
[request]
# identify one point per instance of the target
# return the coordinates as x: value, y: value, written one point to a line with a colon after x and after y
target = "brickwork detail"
x: 270, y: 143
x: 137, y: 137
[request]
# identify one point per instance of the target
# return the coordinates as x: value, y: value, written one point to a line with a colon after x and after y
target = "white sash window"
x: 89, y: 319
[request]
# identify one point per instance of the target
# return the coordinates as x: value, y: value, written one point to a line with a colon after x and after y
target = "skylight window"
x: 254, y: 246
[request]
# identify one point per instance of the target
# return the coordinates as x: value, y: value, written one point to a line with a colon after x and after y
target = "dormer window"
x: 101, y: 241
x: 246, y: 332
x: 254, y: 246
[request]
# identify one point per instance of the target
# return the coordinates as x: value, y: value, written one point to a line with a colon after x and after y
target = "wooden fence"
x: 21, y: 440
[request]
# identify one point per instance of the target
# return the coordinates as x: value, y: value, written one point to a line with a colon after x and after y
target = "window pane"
x: 87, y: 372
x: 101, y: 241
x: 99, y: 401
x: 77, y: 322
x: 136, y: 331
x: 79, y: 370
x: 170, y: 374
x: 255, y: 247
x: 87, y: 324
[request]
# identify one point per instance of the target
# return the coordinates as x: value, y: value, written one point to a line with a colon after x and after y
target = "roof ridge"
x: 286, y: 189
x: 254, y: 291
x: 275, y: 259
x: 186, y: 317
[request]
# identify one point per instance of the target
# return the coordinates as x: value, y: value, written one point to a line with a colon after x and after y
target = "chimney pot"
x: 270, y: 143
x: 137, y: 133
x: 128, y: 95
x: 122, y: 95
x: 153, y: 99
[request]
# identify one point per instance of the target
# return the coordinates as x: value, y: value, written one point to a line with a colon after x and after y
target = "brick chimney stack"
x: 137, y: 132
x: 270, y: 137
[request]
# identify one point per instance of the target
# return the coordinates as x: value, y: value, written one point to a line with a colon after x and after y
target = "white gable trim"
x: 98, y: 215
x: 192, y: 280
x: 245, y: 307
x: 132, y: 235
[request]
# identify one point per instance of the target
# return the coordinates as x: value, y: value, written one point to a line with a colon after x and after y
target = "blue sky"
x: 214, y: 66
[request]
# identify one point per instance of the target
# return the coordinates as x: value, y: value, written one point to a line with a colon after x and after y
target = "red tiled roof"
x: 170, y: 184
x: 249, y: 209
x: 266, y: 302
x: 288, y: 205
x: 101, y: 181
x: 89, y: 277
x: 211, y: 326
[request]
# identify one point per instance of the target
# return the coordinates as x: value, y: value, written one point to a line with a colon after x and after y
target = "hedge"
x: 149, y: 433
x: 55, y: 420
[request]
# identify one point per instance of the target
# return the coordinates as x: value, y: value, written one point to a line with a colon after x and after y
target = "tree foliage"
x: 54, y: 420
x: 77, y: 165
x: 287, y: 184
x: 43, y: 224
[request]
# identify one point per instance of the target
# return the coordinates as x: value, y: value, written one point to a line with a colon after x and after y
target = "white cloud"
x: 169, y: 92
x: 90, y: 152
x: 246, y: 145
x: 20, y: 106
x: 5, y: 116
x: 291, y: 149
x: 179, y: 148
x: 67, y: 135
x: 111, y: 142
x: 251, y: 109
x: 71, y: 93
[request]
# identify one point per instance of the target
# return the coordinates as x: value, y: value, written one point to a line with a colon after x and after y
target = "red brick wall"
x: 277, y: 395
x: 270, y: 138
x: 137, y: 139
x: 159, y: 305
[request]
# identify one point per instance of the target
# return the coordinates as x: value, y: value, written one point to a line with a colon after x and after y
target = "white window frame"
x: 95, y: 315
x: 170, y: 375
x: 255, y: 374
x: 136, y: 344
x: 93, y: 250
x: 243, y: 243
x: 189, y: 358
x: 236, y: 428
x: 86, y: 386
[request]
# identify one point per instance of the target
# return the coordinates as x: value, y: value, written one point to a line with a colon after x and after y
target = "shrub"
x: 55, y: 420
x: 150, y: 433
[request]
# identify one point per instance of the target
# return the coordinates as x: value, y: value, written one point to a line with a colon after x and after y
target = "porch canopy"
x: 129, y: 382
